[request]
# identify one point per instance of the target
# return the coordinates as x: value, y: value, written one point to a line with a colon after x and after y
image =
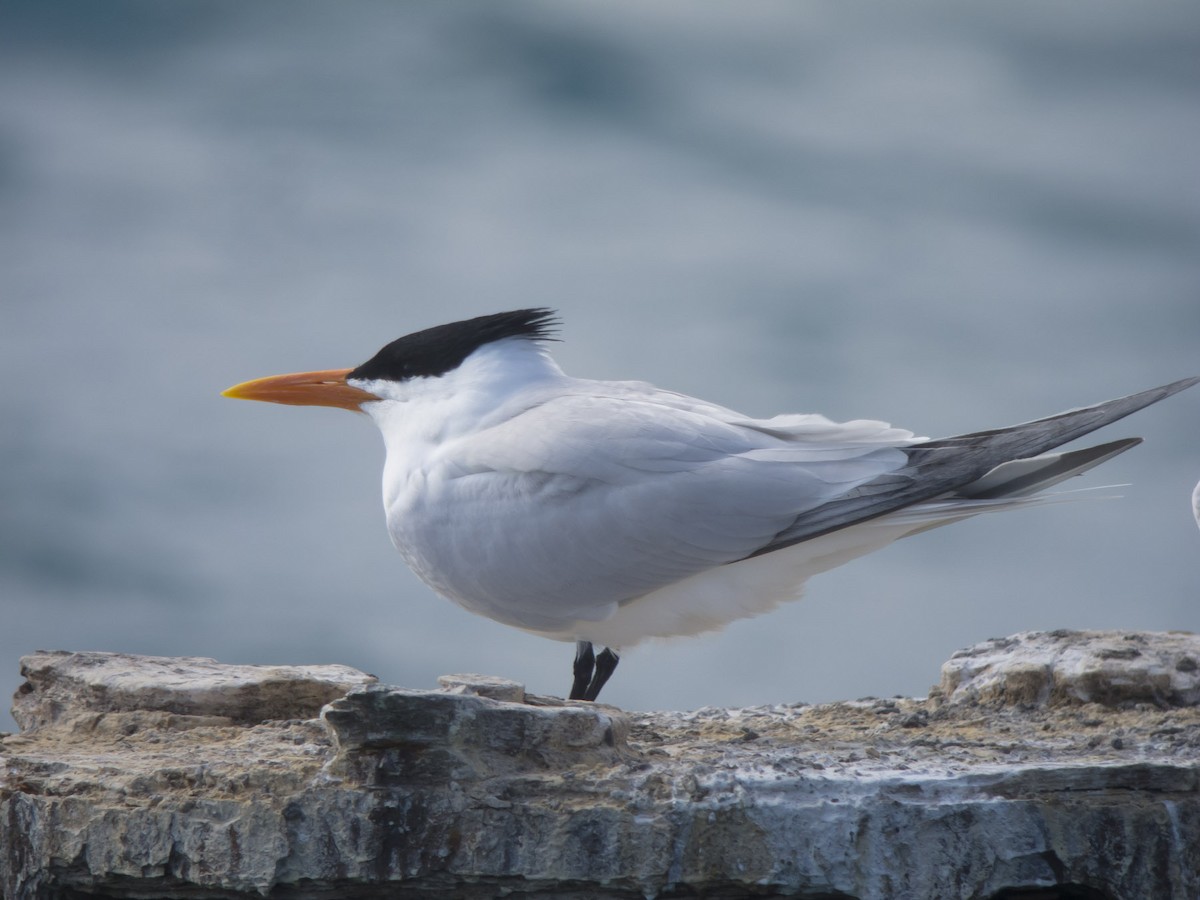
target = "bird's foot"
x: 591, y: 670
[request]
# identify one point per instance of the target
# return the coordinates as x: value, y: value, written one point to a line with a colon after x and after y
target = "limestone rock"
x: 392, y: 736
x: 1112, y: 668
x: 483, y: 686
x: 478, y: 790
x: 59, y: 685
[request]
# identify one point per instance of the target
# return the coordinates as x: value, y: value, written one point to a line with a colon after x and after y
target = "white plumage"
x: 565, y: 507
x: 611, y: 512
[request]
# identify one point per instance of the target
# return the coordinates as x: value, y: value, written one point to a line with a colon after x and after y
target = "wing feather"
x: 636, y: 489
x: 942, y: 466
x: 721, y: 487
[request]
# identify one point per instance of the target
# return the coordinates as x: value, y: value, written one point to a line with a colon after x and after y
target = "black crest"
x: 438, y: 350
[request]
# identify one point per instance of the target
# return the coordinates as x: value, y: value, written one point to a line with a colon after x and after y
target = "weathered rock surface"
x: 61, y: 687
x: 1046, y: 765
x: 1076, y: 667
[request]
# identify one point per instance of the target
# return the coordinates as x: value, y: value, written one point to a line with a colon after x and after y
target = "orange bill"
x: 327, y: 388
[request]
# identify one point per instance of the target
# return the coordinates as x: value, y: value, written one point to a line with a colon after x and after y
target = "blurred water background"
x: 949, y: 216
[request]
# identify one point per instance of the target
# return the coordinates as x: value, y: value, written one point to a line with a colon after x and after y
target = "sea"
x: 944, y: 215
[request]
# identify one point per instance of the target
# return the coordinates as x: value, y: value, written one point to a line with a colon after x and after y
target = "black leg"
x: 585, y: 662
x: 606, y: 664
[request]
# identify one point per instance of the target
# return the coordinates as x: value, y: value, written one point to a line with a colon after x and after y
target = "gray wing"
x: 947, y: 465
x: 587, y: 500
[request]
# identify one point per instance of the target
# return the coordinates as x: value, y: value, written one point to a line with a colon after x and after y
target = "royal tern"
x: 608, y: 512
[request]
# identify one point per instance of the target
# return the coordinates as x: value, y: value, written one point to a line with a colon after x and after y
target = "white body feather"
x: 612, y: 512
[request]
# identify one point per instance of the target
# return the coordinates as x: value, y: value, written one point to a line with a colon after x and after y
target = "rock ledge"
x: 1059, y: 764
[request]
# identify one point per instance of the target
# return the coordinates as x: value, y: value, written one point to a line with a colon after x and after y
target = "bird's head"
x: 390, y: 373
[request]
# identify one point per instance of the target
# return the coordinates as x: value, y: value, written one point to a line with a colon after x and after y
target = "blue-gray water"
x: 948, y: 216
